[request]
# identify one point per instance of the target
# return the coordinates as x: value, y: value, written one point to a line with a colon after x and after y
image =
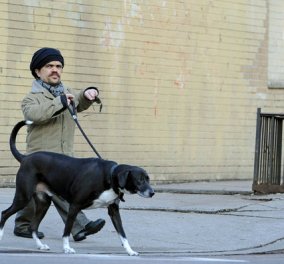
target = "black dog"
x: 83, y: 182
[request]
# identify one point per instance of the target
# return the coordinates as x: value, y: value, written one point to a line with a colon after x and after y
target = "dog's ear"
x: 122, y: 178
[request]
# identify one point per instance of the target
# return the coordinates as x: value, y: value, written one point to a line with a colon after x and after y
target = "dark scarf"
x: 54, y: 90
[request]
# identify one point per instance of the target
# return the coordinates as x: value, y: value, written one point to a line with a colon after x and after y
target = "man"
x: 53, y: 130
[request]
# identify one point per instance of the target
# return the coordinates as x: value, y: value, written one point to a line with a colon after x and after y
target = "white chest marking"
x: 105, y: 199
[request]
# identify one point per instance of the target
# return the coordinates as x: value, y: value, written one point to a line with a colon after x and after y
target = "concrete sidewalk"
x: 208, y: 187
x: 202, y: 218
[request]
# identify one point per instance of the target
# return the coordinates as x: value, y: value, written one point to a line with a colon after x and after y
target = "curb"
x: 208, y: 192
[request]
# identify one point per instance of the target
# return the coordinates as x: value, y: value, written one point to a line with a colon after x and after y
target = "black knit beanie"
x: 44, y: 56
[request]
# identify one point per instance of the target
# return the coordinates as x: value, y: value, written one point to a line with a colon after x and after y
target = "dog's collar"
x: 111, y: 174
x: 112, y: 170
x: 116, y: 189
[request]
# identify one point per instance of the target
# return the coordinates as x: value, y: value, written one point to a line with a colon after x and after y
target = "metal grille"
x: 268, y: 153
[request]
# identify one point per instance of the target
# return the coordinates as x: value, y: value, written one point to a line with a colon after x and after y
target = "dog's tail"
x: 18, y: 156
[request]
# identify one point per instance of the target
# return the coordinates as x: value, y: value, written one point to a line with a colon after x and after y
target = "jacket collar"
x: 37, y: 88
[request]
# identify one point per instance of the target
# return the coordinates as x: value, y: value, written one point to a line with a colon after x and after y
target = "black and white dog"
x: 83, y: 182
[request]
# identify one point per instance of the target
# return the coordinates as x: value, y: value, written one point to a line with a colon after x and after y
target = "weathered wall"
x: 180, y: 80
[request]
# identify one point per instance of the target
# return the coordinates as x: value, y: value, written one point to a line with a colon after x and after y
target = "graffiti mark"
x: 180, y: 81
x: 156, y: 97
x: 113, y: 34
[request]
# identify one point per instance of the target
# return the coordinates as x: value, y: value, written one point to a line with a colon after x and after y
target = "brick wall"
x: 180, y: 80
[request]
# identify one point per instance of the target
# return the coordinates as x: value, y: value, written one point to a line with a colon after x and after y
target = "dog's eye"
x: 143, y: 178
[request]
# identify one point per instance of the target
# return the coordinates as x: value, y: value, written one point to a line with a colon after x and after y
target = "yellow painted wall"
x: 180, y: 80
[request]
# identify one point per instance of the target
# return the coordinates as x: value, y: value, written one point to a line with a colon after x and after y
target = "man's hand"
x: 91, y: 94
x: 69, y: 98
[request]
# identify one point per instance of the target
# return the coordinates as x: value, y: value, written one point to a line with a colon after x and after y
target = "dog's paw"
x: 127, y: 247
x: 43, y: 247
x: 39, y: 244
x: 132, y: 253
x: 69, y: 250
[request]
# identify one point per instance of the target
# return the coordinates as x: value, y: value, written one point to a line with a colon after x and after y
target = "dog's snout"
x: 148, y: 193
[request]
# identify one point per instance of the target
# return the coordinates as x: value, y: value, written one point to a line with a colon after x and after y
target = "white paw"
x: 127, y: 247
x: 132, y: 253
x: 43, y: 247
x: 69, y: 250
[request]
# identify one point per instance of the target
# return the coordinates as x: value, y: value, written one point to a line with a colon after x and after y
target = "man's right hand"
x: 66, y: 99
x: 69, y: 98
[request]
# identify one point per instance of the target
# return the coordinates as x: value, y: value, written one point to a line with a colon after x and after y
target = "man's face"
x: 51, y: 72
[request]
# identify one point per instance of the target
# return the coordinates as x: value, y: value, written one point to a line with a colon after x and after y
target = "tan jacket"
x: 52, y: 128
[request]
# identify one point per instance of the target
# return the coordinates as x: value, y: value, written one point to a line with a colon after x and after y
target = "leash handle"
x: 73, y: 113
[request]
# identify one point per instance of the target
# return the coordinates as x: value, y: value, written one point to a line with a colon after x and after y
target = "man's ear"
x: 122, y: 178
x: 37, y: 73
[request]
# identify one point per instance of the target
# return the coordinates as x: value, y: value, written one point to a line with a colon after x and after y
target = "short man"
x: 53, y: 130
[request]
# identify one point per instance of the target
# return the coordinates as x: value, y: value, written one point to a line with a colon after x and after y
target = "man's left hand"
x: 91, y: 94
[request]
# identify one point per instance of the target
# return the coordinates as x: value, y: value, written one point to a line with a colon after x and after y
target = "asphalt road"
x: 43, y: 258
